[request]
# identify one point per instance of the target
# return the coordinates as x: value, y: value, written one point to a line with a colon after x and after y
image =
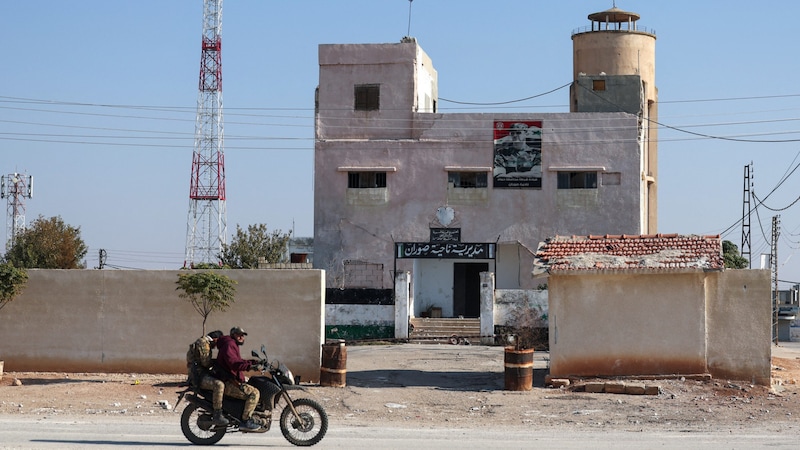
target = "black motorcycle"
x: 303, y: 421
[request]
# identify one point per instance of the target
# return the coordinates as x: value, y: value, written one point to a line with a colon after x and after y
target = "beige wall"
x: 740, y: 325
x: 134, y: 321
x: 661, y: 324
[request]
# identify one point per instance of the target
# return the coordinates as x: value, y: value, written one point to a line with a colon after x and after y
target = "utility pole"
x: 773, y: 262
x: 15, y: 188
x: 746, y: 211
x: 207, y: 228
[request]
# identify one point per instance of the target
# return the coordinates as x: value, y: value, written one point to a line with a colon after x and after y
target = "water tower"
x: 614, y: 70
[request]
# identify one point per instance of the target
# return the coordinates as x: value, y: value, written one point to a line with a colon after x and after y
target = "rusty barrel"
x: 519, y: 369
x: 333, y: 371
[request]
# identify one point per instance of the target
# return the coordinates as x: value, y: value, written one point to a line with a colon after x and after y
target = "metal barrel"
x: 333, y: 371
x: 519, y: 369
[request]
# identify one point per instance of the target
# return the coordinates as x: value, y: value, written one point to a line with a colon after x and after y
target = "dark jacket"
x: 229, y: 364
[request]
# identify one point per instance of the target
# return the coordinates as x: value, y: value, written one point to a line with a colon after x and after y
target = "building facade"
x: 402, y: 188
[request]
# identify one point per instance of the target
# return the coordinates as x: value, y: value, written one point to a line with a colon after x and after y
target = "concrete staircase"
x: 442, y: 331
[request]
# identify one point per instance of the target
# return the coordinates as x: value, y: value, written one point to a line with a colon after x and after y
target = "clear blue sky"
x: 98, y: 100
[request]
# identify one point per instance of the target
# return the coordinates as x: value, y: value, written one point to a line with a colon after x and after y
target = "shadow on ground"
x: 446, y: 380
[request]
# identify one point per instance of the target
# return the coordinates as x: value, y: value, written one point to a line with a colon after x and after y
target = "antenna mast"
x: 409, y: 18
x: 15, y: 188
x: 207, y: 227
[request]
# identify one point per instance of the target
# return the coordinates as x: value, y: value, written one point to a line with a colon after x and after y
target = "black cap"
x: 238, y: 330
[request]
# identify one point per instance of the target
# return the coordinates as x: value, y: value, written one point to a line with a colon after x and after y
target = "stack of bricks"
x: 606, y: 387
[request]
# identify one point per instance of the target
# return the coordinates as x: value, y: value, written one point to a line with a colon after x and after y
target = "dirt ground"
x: 445, y: 386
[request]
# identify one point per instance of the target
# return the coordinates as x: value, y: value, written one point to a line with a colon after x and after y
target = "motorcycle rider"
x: 198, y: 363
x: 231, y: 368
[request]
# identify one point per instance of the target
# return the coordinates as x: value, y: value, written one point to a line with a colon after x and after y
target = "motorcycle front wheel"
x: 197, y: 426
x: 308, y: 431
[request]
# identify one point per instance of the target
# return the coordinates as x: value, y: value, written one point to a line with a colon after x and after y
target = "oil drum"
x: 518, y: 369
x: 333, y: 371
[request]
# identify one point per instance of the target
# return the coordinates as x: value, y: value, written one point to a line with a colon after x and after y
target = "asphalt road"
x: 103, y: 433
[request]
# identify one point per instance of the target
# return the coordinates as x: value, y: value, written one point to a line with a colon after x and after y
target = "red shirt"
x: 230, y: 360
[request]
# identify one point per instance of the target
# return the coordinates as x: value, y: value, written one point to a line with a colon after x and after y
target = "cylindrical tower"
x: 614, y: 69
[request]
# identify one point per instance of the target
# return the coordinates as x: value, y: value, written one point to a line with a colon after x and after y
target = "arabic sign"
x: 445, y: 234
x: 460, y: 250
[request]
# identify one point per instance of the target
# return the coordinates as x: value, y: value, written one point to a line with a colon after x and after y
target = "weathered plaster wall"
x: 661, y: 324
x: 417, y: 186
x: 509, y: 300
x: 134, y: 321
x: 739, y: 325
x: 633, y: 324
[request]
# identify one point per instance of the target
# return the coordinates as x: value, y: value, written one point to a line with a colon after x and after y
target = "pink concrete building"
x: 400, y: 187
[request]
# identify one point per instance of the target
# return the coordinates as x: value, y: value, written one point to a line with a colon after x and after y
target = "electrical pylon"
x: 15, y: 188
x: 207, y: 227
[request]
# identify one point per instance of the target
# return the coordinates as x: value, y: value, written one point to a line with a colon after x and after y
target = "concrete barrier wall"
x: 134, y: 321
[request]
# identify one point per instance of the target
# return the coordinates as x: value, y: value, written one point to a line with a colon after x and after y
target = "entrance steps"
x: 443, y: 331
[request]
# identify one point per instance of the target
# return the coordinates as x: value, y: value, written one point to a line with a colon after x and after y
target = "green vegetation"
x: 12, y: 282
x: 731, y: 257
x: 48, y: 244
x: 207, y: 292
x: 257, y: 242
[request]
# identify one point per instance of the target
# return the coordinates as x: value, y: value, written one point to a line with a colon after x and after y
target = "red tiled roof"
x: 653, y: 252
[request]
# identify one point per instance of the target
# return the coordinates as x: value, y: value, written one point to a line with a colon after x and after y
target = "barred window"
x: 367, y: 97
x: 577, y: 180
x: 365, y: 180
x: 467, y: 179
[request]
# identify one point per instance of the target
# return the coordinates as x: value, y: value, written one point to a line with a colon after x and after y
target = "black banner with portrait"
x: 518, y: 154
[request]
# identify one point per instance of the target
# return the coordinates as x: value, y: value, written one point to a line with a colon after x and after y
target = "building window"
x: 467, y: 179
x: 365, y: 180
x: 598, y: 85
x: 367, y: 97
x: 577, y: 180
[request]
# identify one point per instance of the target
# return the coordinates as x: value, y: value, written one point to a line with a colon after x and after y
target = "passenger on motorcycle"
x: 230, y: 367
x: 198, y: 363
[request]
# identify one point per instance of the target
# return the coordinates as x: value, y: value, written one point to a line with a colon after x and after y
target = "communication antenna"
x: 15, y: 187
x: 409, y: 17
x: 206, y: 228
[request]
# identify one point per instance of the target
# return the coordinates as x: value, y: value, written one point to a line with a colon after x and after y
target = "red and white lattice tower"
x: 207, y: 225
x: 15, y: 187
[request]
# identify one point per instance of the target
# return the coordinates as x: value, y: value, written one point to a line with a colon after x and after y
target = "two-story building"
x: 400, y: 187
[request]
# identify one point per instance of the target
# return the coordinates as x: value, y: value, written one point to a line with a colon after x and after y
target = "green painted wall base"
x: 359, y: 332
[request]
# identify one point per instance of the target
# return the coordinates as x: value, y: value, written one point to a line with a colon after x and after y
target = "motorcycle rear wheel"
x: 313, y: 428
x: 197, y: 426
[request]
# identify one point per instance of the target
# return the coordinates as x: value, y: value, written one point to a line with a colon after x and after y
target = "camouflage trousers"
x: 216, y: 386
x: 246, y: 392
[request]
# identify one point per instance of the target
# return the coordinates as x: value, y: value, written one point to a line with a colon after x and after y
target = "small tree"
x: 48, y: 244
x: 731, y: 257
x: 12, y: 282
x: 207, y: 292
x: 247, y: 247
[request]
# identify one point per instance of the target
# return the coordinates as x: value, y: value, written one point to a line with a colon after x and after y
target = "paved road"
x: 143, y: 432
x: 104, y: 433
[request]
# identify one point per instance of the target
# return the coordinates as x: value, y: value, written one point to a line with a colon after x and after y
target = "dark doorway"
x: 467, y: 288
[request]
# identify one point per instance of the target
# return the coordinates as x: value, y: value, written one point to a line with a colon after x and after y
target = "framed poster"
x: 518, y: 154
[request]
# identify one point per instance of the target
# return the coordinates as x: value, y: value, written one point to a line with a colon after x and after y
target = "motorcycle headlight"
x: 287, y: 374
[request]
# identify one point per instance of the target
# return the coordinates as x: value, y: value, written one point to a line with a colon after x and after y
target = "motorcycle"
x: 303, y: 421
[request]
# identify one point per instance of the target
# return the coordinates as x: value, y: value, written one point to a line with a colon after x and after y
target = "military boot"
x: 218, y: 419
